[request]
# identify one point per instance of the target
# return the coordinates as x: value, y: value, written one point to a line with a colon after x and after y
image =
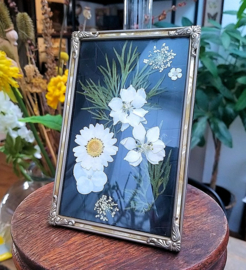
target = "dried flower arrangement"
x: 164, y: 13
x: 30, y: 103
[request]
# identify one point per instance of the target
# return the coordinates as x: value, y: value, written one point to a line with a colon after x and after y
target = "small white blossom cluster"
x: 104, y: 206
x: 160, y: 59
x: 9, y: 121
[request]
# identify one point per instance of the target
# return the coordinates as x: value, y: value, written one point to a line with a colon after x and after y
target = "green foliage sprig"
x: 19, y: 152
x: 100, y: 94
x: 157, y: 179
x: 159, y: 176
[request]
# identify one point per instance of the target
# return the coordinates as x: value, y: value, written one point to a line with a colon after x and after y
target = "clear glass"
x: 137, y: 14
x: 14, y: 196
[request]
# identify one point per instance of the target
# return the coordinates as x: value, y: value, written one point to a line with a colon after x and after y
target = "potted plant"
x: 221, y: 87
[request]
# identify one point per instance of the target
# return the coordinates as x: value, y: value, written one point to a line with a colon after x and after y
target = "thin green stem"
x: 26, y: 175
x: 34, y: 131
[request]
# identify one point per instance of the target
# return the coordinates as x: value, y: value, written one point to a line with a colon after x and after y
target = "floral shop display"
x: 31, y: 106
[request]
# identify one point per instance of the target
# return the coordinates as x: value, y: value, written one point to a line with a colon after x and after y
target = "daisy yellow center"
x: 94, y: 147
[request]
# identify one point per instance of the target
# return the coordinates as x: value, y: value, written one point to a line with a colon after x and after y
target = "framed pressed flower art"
x: 125, y: 140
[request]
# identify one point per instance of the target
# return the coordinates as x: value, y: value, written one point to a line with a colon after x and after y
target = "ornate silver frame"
x: 174, y: 242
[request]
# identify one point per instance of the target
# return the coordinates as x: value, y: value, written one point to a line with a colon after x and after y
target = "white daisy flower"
x: 148, y: 144
x: 96, y: 146
x: 89, y: 180
x: 128, y: 108
x: 175, y: 73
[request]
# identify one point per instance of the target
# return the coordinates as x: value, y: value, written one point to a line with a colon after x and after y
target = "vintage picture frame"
x: 124, y: 146
x: 213, y: 10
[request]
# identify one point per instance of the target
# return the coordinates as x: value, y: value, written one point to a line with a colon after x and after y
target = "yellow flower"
x: 64, y: 56
x: 56, y: 91
x: 66, y: 72
x: 8, y: 74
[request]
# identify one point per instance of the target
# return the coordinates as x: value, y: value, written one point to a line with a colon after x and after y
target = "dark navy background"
x: 120, y: 173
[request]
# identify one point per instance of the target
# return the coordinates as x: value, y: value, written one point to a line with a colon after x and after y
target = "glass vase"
x: 137, y: 14
x: 14, y: 196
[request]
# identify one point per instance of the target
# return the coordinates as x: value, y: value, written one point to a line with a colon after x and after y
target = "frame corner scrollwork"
x: 54, y: 219
x: 194, y: 32
x: 76, y: 37
x: 173, y: 245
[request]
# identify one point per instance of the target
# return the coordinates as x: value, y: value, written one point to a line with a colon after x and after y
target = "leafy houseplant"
x: 221, y: 85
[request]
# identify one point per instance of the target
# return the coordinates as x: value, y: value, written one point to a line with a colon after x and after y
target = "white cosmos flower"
x: 96, y: 146
x: 89, y: 180
x: 38, y: 152
x: 9, y: 114
x: 128, y: 108
x: 148, y: 144
x: 174, y: 74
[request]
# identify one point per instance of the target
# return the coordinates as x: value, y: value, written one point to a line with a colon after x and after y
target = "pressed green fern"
x: 159, y: 176
x: 156, y: 178
x: 101, y: 93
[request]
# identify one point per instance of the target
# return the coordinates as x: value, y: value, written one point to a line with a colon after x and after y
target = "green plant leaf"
x: 186, y: 22
x: 210, y: 29
x: 241, y: 103
x: 242, y: 115
x: 210, y: 65
x: 213, y: 55
x: 214, y: 23
x: 215, y: 102
x: 202, y: 142
x: 217, y: 83
x: 229, y: 113
x: 163, y: 24
x: 198, y: 130
x: 238, y: 53
x: 50, y: 121
x: 242, y: 80
x: 213, y: 38
x: 230, y: 26
x: 241, y: 9
x: 230, y: 12
x: 226, y: 40
x: 241, y: 22
x: 236, y: 34
x: 202, y: 100
x: 198, y: 113
x: 220, y: 131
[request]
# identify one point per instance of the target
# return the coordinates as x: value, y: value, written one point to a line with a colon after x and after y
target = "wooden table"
x: 38, y: 245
